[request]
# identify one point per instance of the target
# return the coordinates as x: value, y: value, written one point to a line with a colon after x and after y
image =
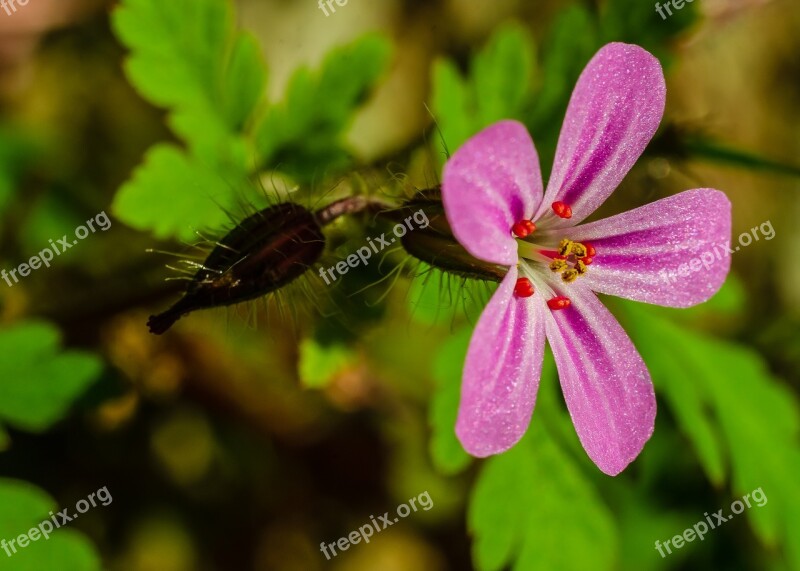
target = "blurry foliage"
x: 320, y: 363
x: 39, y: 385
x: 446, y: 452
x: 41, y: 382
x: 17, y: 152
x: 24, y: 507
x: 498, y: 86
x: 303, y: 135
x: 740, y: 420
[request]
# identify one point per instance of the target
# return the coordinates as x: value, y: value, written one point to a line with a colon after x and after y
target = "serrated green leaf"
x: 245, y: 80
x: 686, y: 398
x: 758, y: 418
x: 451, y: 101
x: 41, y: 381
x: 178, y: 59
x: 447, y: 453
x: 502, y: 73
x: 196, y: 198
x: 532, y: 509
x: 572, y: 42
x: 22, y: 508
x: 177, y: 48
x: 498, y: 86
x: 187, y: 57
x: 304, y: 133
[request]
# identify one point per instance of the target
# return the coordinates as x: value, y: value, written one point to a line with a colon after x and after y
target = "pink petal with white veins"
x: 490, y: 183
x: 606, y: 384
x: 614, y: 111
x: 672, y: 252
x: 501, y: 371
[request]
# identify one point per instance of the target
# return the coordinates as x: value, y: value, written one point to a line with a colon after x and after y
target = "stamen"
x: 565, y: 247
x: 559, y: 302
x: 523, y: 287
x: 580, y: 267
x: 558, y: 265
x: 569, y: 275
x: 562, y: 210
x: 587, y: 260
x: 590, y: 251
x: 578, y: 249
x: 523, y: 228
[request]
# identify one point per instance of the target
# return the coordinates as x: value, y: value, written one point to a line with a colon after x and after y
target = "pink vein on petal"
x: 606, y: 384
x: 614, y: 111
x: 490, y: 183
x: 672, y: 252
x: 501, y: 371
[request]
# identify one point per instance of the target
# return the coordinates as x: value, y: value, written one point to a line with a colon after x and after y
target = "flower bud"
x: 263, y: 253
x: 435, y: 244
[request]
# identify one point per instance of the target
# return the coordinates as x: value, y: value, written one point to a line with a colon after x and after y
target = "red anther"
x: 590, y: 251
x: 523, y: 228
x: 586, y: 260
x: 523, y: 287
x: 559, y: 302
x: 562, y: 210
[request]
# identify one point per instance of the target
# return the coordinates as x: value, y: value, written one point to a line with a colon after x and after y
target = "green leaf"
x: 532, y: 508
x: 438, y: 298
x: 723, y: 392
x: 501, y: 74
x: 41, y: 381
x: 196, y: 199
x: 186, y: 56
x: 245, y: 81
x: 498, y: 86
x: 687, y: 398
x: 572, y: 42
x: 177, y: 59
x: 18, y: 150
x: 22, y: 508
x: 447, y: 453
x: 305, y: 132
x: 451, y: 100
x: 319, y: 364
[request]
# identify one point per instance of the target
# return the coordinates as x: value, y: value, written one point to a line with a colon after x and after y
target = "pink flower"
x: 494, y: 200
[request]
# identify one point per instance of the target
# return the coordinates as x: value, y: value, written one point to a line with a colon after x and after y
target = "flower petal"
x: 606, y: 385
x: 501, y: 371
x: 671, y: 252
x: 489, y: 184
x: 614, y: 111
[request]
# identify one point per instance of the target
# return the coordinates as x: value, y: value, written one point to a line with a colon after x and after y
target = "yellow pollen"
x: 565, y: 247
x: 578, y: 249
x: 580, y: 267
x: 558, y: 265
x: 569, y: 275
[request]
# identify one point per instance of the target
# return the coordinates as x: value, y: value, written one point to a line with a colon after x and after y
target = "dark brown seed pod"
x: 263, y: 253
x: 435, y: 245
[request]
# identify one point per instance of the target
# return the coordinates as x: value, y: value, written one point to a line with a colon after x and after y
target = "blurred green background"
x: 245, y: 437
